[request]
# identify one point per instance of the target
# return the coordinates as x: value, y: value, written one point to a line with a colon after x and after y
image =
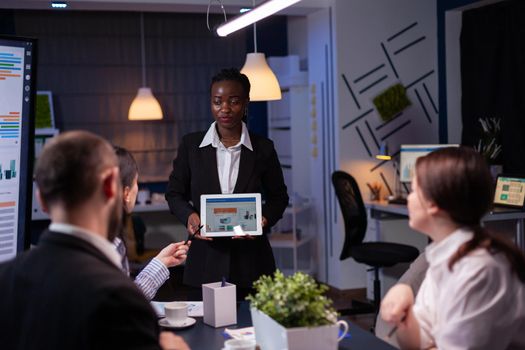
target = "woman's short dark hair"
x: 232, y: 74
x: 127, y: 166
x: 68, y: 168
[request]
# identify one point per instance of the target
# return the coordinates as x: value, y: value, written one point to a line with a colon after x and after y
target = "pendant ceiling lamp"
x: 145, y: 106
x: 264, y: 84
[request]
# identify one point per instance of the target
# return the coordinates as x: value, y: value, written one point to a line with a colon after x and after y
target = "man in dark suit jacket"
x: 69, y: 292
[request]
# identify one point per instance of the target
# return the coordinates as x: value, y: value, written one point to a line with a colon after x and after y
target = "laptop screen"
x: 510, y: 191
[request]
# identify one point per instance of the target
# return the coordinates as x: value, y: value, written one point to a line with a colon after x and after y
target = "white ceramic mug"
x: 345, y: 329
x: 176, y: 312
x: 239, y: 344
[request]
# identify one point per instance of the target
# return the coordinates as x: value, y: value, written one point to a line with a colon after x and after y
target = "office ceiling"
x: 304, y: 7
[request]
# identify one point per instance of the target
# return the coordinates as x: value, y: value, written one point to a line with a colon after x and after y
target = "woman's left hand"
x: 264, y: 222
x: 174, y: 254
x: 397, y: 303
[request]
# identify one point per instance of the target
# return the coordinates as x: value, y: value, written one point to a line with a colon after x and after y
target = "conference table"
x: 382, y: 210
x: 202, y: 336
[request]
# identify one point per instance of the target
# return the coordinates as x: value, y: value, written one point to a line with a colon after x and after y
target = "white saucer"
x: 188, y: 322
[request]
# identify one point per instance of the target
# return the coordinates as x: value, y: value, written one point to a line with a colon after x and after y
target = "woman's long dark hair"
x: 127, y: 166
x: 458, y: 181
x: 128, y: 170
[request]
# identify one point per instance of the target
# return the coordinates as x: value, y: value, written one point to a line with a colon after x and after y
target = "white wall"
x: 319, y: 43
x: 356, y: 38
x: 298, y: 39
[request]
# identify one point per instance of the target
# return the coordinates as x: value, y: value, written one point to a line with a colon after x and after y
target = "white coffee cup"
x: 342, y: 323
x: 239, y: 344
x: 176, y: 312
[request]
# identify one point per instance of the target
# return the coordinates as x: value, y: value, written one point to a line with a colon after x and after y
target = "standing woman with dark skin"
x: 227, y: 158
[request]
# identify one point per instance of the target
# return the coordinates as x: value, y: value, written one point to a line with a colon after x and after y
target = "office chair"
x: 374, y: 254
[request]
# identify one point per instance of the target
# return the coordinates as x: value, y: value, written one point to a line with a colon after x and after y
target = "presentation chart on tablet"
x: 224, y: 213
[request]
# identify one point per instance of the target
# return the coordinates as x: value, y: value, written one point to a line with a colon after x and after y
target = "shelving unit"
x: 292, y: 238
x: 41, y: 137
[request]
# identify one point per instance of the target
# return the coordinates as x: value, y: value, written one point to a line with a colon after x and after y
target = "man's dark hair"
x: 68, y: 169
x: 232, y: 74
x: 127, y: 166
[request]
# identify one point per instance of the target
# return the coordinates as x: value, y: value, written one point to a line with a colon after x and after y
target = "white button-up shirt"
x: 228, y: 158
x: 480, y: 304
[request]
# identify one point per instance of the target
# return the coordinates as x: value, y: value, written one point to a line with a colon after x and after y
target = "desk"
x: 384, y: 210
x: 202, y: 336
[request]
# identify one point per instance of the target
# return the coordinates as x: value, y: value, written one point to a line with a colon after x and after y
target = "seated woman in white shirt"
x: 473, y: 294
x: 156, y: 272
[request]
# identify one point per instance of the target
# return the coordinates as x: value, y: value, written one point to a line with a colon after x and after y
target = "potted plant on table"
x: 293, y: 313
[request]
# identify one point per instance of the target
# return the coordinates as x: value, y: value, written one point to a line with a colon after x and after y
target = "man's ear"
x: 110, y: 182
x: 41, y: 202
x: 125, y: 193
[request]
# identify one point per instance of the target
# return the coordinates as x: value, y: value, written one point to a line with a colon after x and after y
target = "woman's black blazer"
x: 195, y: 173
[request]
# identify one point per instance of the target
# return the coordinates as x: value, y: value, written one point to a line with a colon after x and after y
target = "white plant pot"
x: 270, y: 335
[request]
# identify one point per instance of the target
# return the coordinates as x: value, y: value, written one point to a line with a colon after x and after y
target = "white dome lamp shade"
x: 264, y: 83
x: 144, y: 106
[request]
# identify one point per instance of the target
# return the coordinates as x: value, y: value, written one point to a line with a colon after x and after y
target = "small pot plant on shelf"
x: 489, y: 144
x: 293, y: 313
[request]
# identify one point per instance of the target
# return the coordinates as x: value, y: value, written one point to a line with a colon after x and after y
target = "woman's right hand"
x: 397, y: 304
x: 194, y: 222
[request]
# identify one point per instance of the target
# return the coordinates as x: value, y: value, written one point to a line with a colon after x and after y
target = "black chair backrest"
x: 353, y: 209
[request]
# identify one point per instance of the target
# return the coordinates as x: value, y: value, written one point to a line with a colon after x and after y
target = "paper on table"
x: 194, y: 308
x: 241, y: 333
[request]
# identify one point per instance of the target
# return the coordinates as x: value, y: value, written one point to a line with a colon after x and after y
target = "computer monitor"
x: 408, y: 154
x: 510, y: 191
x: 17, y: 98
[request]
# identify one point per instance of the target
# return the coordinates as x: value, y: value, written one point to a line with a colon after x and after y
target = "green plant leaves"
x: 295, y: 301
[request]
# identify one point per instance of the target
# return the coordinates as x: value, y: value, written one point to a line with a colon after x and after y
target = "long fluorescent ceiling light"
x: 262, y: 11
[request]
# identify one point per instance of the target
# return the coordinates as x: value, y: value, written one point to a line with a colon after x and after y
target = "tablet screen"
x: 220, y: 214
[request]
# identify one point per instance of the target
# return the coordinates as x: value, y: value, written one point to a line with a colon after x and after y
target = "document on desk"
x: 195, y: 308
x: 240, y: 333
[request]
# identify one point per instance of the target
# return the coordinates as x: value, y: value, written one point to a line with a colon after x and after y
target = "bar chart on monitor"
x: 8, y: 169
x: 9, y: 182
x: 8, y: 224
x: 17, y: 93
x: 11, y: 84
